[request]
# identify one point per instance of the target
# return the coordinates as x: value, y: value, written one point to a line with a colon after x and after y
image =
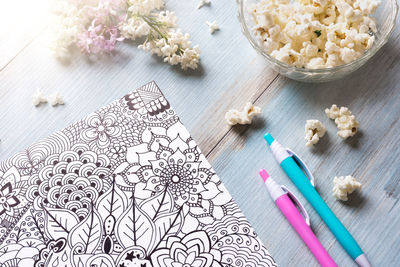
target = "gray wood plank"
x: 21, y: 22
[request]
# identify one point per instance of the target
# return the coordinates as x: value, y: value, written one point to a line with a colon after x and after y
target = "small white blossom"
x: 56, y: 99
x: 212, y: 26
x: 342, y: 186
x: 203, y: 3
x: 245, y: 116
x: 38, y: 98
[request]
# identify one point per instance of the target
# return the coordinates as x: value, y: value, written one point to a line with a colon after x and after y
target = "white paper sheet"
x: 126, y: 186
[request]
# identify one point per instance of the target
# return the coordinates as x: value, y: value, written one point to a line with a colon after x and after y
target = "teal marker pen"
x: 295, y: 173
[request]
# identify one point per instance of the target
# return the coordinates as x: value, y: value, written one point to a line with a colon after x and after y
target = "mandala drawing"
x: 126, y: 186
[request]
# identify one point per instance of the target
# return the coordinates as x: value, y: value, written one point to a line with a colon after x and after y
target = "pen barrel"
x: 294, y: 217
x: 337, y: 228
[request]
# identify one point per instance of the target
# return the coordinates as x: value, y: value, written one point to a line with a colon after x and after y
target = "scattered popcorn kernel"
x: 56, y: 99
x: 342, y: 186
x: 203, y: 3
x: 213, y: 26
x: 345, y: 121
x: 333, y: 112
x: 245, y: 116
x: 314, y: 130
x: 38, y: 98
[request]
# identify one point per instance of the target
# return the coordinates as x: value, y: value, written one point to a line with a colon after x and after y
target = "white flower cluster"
x: 342, y: 186
x: 144, y: 7
x: 163, y: 38
x: 245, y: 116
x: 96, y: 26
x: 67, y: 24
x: 137, y: 26
x: 315, y: 33
x: 314, y: 130
x: 175, y: 50
x: 345, y: 121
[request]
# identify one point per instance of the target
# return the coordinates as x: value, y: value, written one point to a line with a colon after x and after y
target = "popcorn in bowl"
x: 315, y: 34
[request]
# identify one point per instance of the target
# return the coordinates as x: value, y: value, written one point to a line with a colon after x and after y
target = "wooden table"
x: 231, y: 73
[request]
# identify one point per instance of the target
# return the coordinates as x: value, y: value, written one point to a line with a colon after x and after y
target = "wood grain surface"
x: 231, y: 73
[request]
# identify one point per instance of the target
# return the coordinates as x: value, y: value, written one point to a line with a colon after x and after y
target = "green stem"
x: 155, y: 25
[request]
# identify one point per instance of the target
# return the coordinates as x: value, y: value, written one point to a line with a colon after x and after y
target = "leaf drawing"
x: 168, y: 224
x: 59, y: 222
x: 87, y: 233
x: 113, y: 202
x: 158, y: 204
x: 135, y: 228
x: 107, y: 245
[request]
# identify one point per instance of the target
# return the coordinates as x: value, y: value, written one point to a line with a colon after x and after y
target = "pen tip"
x: 268, y: 137
x: 362, y: 261
x: 264, y: 174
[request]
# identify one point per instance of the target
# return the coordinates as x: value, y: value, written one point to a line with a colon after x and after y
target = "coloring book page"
x: 126, y: 186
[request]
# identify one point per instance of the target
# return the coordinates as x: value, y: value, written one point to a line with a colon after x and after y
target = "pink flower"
x: 102, y: 35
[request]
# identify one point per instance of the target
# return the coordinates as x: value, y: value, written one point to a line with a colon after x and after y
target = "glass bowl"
x: 386, y: 20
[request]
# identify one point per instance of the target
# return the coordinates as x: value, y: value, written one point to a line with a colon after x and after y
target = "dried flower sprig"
x: 96, y: 26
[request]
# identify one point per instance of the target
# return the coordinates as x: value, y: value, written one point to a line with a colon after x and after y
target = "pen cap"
x: 264, y: 174
x: 268, y: 137
x: 274, y: 189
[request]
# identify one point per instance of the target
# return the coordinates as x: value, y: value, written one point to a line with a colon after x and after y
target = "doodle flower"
x: 8, y: 200
x: 192, y: 250
x: 178, y: 166
x: 12, y: 193
x: 100, y: 129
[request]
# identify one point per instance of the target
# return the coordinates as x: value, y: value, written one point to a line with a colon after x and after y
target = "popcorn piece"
x: 333, y: 112
x: 314, y: 130
x: 56, y: 99
x: 212, y: 26
x: 347, y: 126
x: 315, y: 34
x: 345, y: 121
x: 38, y: 98
x: 245, y: 116
x: 343, y: 186
x: 203, y: 3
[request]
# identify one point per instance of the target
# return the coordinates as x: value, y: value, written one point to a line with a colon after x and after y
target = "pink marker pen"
x: 284, y: 200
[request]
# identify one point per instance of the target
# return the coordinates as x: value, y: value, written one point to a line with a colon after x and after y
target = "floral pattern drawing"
x: 126, y: 186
